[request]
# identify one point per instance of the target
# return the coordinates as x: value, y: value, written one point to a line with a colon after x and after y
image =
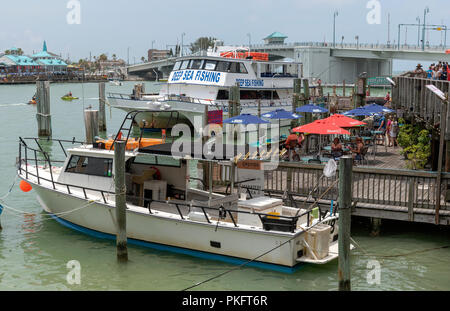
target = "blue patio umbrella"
x: 377, y: 109
x: 281, y: 114
x: 311, y: 108
x: 245, y: 119
x: 360, y: 111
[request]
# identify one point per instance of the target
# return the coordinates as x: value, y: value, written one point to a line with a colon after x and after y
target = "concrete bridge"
x: 334, y: 64
x: 331, y: 64
x: 159, y: 69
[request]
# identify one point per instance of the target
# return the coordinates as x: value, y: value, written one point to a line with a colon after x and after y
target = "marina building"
x: 275, y: 38
x: 50, y: 62
x: 14, y: 63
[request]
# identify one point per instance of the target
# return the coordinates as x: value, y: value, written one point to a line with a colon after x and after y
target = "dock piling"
x: 101, y: 107
x: 120, y: 189
x: 43, y: 108
x: 345, y: 203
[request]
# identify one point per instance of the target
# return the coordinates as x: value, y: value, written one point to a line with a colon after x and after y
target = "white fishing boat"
x: 166, y: 212
x: 196, y: 82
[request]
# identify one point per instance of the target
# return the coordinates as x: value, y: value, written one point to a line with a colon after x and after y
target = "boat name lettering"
x: 196, y: 75
x: 250, y: 82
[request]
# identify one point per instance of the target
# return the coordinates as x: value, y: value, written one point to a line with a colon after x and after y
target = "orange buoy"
x: 24, y: 186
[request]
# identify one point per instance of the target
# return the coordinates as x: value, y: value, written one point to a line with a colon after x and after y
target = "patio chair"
x: 362, y: 157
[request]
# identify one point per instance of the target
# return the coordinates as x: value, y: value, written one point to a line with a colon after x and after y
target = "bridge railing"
x: 391, y: 47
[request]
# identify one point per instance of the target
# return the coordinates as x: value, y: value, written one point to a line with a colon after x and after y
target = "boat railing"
x: 253, y: 103
x: 223, y: 211
x: 28, y: 155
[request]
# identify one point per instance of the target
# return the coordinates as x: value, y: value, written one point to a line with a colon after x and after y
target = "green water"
x: 34, y: 250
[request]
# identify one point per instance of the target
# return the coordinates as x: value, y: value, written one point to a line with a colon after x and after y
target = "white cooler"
x: 257, y: 205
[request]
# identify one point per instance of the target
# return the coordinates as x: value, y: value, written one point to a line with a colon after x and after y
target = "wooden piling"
x: 91, y: 125
x: 296, y: 99
x: 375, y: 226
x: 343, y: 88
x: 345, y: 203
x: 101, y: 107
x: 43, y: 108
x: 305, y: 100
x: 120, y: 189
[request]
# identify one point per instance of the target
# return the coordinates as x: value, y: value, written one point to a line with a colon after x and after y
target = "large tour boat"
x: 196, y: 82
x: 166, y: 211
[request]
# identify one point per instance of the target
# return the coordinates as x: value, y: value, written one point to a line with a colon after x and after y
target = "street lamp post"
x: 418, y: 31
x: 427, y: 10
x: 334, y: 27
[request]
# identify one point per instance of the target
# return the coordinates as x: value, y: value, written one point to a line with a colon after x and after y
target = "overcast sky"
x: 111, y: 26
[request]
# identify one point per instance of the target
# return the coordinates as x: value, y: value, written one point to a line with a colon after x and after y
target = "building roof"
x: 41, y: 55
x: 51, y: 62
x: 21, y: 60
x: 277, y: 35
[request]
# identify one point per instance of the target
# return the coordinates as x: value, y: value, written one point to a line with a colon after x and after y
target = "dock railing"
x: 374, y: 186
x: 411, y: 98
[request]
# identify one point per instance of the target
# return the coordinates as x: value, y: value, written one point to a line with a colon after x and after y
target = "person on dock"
x: 291, y: 144
x: 387, y: 98
x: 336, y: 149
x: 357, y: 152
x: 388, y: 131
x: 382, y: 128
x: 393, y: 132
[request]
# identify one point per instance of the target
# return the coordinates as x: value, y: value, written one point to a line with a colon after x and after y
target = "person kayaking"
x: 68, y: 94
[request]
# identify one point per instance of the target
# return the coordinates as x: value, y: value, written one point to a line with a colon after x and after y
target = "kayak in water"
x: 68, y: 98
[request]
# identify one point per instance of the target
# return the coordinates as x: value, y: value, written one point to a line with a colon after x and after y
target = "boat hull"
x: 236, y: 245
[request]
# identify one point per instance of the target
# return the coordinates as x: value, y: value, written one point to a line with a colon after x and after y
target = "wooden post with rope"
x: 43, y: 108
x: 121, y: 205
x: 345, y: 204
x: 101, y: 107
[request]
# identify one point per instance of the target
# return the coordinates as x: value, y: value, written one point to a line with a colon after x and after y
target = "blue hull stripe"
x: 179, y: 250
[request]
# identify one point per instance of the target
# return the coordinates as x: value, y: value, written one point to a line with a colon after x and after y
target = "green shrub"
x: 416, y: 144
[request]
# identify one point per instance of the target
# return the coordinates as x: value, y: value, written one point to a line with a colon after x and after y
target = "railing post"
x: 411, y: 192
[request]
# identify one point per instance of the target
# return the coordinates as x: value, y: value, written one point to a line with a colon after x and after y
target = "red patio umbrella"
x: 322, y: 128
x: 342, y: 121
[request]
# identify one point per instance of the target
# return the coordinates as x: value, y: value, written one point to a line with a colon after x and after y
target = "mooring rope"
x: 249, y: 261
